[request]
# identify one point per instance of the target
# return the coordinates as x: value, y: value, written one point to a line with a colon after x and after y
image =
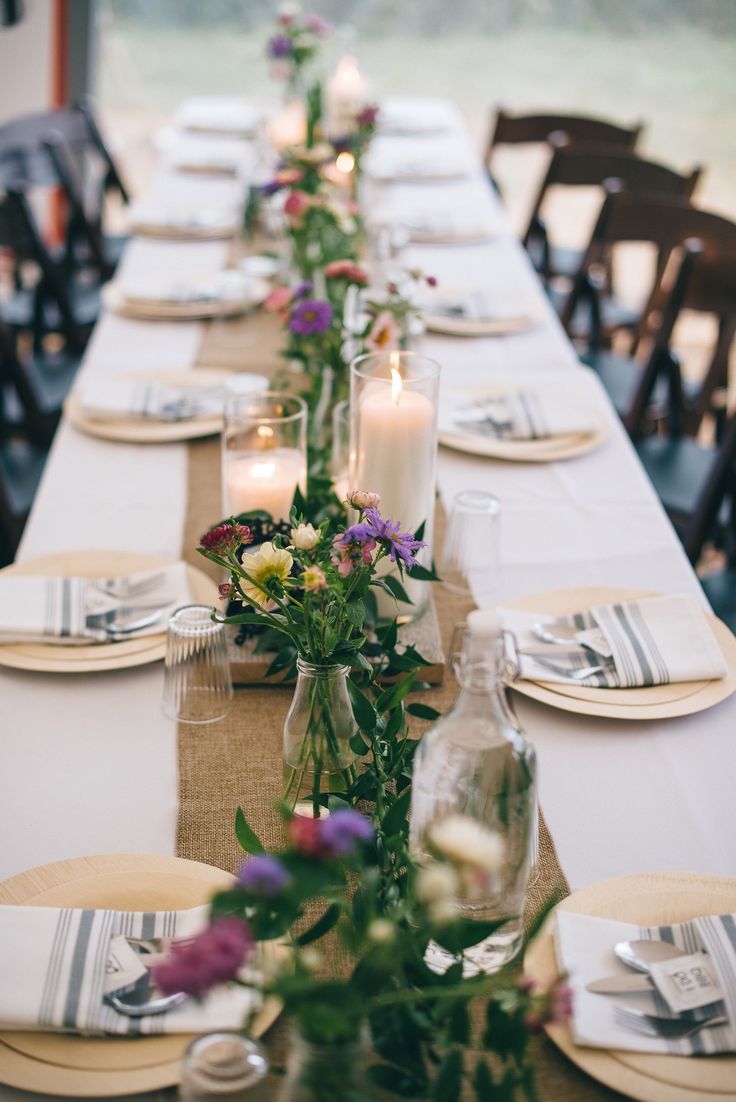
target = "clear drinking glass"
x: 471, y: 541
x: 225, y: 1066
x: 197, y: 683
x: 264, y: 453
x: 393, y: 452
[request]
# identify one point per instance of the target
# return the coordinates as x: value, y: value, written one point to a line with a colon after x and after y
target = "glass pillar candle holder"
x: 340, y: 458
x: 393, y: 452
x: 264, y: 453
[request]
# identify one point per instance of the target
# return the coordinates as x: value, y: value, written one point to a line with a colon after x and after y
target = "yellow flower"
x: 264, y: 566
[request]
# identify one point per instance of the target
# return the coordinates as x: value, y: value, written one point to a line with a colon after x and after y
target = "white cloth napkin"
x: 584, y: 948
x: 198, y: 219
x: 53, y: 965
x: 428, y: 166
x: 218, y: 115
x: 416, y: 115
x: 112, y: 399
x: 57, y: 610
x: 527, y: 414
x: 654, y: 641
x: 449, y: 225
x: 182, y: 290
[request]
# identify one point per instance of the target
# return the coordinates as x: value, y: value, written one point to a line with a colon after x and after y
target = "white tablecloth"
x: 88, y: 764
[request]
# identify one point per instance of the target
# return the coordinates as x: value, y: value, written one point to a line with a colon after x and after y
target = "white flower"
x: 364, y: 499
x: 468, y: 843
x: 311, y: 959
x: 436, y: 883
x: 266, y: 566
x: 443, y: 911
x: 305, y: 537
x: 381, y: 931
x: 289, y: 10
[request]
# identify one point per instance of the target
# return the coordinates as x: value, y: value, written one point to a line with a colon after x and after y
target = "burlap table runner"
x: 237, y: 761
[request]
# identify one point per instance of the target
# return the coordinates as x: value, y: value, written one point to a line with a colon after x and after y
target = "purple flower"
x: 343, y: 830
x: 271, y: 187
x: 280, y: 46
x: 309, y: 316
x: 302, y: 289
x: 357, y: 533
x: 401, y: 545
x: 212, y: 957
x: 263, y: 875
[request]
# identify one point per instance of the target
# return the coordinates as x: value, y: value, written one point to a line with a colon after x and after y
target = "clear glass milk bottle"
x: 474, y: 766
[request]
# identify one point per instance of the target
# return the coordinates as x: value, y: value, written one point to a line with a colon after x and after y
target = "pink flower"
x: 297, y: 203
x: 335, y: 836
x: 431, y: 281
x: 225, y: 538
x: 349, y: 553
x: 346, y: 269
x: 212, y: 957
x: 304, y: 833
x: 226, y: 591
x: 314, y: 579
x: 367, y: 115
x: 363, y: 499
x: 561, y: 1004
x: 278, y: 299
x: 317, y: 25
x: 384, y: 333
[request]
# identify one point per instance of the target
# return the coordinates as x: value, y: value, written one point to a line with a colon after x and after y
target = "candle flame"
x: 264, y: 470
x: 265, y: 434
x: 345, y: 163
x: 396, y: 385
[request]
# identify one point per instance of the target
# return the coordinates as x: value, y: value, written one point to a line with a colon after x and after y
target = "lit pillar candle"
x: 346, y: 93
x: 264, y: 480
x: 397, y: 447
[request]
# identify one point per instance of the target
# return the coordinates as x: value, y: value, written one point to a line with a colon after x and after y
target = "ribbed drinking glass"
x: 197, y: 683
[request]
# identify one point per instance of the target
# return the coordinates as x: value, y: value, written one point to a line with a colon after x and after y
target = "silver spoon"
x: 569, y: 675
x: 639, y: 955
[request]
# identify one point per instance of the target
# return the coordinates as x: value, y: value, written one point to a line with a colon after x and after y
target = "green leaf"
x: 466, y: 932
x: 389, y: 635
x: 395, y: 588
x: 248, y: 840
x: 423, y: 574
x: 422, y: 711
x: 392, y: 696
x: 363, y: 710
x: 395, y: 1079
x: 459, y: 1023
x: 396, y: 815
x: 482, y: 1081
x: 321, y: 927
x: 446, y: 1087
x: 358, y: 744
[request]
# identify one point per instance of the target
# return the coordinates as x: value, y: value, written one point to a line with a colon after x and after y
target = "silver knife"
x: 621, y: 985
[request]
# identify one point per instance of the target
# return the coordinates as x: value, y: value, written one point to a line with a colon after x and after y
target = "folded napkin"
x: 198, y: 219
x: 416, y: 115
x: 653, y: 641
x: 70, y: 610
x: 449, y: 226
x: 182, y: 291
x: 54, y: 964
x: 218, y: 115
x: 418, y: 168
x: 112, y: 399
x: 518, y: 415
x: 584, y: 947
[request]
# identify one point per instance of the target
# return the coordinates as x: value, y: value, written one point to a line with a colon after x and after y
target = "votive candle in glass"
x: 264, y: 453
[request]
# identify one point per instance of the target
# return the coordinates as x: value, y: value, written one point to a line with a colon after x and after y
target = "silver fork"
x: 670, y: 1029
x: 573, y: 675
x: 124, y: 589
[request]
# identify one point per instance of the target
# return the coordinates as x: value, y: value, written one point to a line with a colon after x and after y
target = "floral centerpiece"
x: 372, y: 982
x: 312, y: 591
x: 295, y: 43
x: 357, y: 138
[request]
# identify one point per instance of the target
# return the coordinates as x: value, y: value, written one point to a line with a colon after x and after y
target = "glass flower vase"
x: 318, y: 730
x: 326, y: 1072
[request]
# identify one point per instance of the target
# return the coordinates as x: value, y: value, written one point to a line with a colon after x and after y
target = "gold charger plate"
x: 655, y: 702
x: 129, y: 430
x: 80, y: 1067
x: 647, y: 900
x: 114, y: 299
x: 548, y: 450
x: 491, y: 327
x: 56, y: 658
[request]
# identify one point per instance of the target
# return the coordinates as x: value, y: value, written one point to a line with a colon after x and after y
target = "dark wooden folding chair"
x: 70, y: 139
x: 592, y: 166
x: 665, y: 223
x: 508, y: 129
x: 33, y: 387
x: 21, y: 467
x: 48, y: 298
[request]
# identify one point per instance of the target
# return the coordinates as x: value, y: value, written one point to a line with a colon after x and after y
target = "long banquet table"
x: 88, y: 764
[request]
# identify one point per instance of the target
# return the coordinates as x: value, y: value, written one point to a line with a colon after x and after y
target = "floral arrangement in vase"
x: 366, y: 1010
x: 295, y: 43
x: 312, y: 591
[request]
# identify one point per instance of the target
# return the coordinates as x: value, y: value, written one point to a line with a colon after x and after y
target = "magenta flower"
x: 310, y: 316
x: 367, y: 115
x: 263, y: 875
x: 280, y: 45
x: 402, y: 546
x: 212, y: 957
x: 226, y: 538
x: 343, y: 830
x: 226, y: 591
x: 352, y: 549
x: 317, y: 25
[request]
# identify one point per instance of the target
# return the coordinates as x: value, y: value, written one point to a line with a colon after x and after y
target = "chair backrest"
x: 508, y: 129
x: 595, y: 166
x: 720, y: 484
